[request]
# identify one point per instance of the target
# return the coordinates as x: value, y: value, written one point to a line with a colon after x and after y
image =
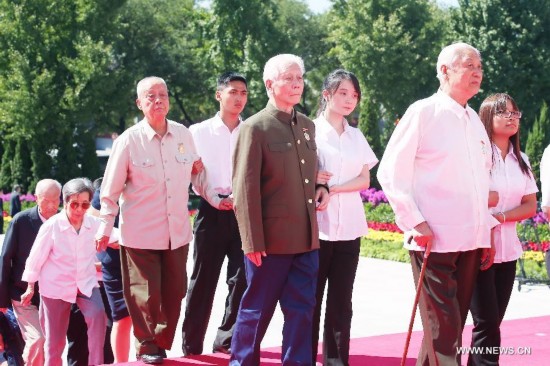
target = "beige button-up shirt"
x: 149, y: 176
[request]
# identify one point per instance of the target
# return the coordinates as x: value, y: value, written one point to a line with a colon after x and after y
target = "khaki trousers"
x: 154, y: 284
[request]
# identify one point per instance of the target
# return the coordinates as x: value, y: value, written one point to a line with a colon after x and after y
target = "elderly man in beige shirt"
x: 149, y: 172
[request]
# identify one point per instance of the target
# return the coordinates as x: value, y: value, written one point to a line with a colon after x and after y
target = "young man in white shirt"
x: 216, y: 230
x: 435, y: 173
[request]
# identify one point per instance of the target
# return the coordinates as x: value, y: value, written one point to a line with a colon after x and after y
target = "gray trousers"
x: 54, y: 318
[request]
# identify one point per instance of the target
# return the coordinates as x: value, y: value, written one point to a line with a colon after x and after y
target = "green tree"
x: 538, y: 139
x: 392, y: 46
x: 52, y: 69
x: 514, y: 40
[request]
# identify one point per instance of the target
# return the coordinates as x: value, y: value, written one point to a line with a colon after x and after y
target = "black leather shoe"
x: 150, y: 359
x: 221, y: 349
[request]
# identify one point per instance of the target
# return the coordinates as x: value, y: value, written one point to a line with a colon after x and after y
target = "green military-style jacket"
x: 274, y: 174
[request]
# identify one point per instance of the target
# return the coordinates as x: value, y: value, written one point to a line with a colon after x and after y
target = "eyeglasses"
x: 510, y: 115
x: 74, y: 205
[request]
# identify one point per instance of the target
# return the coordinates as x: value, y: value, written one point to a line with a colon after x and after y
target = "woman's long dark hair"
x: 332, y: 83
x: 492, y: 105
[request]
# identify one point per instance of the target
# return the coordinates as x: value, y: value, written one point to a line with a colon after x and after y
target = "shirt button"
x: 310, y: 200
x: 168, y: 179
x: 288, y: 144
x: 307, y: 181
x: 299, y: 142
x: 303, y: 161
x: 293, y: 123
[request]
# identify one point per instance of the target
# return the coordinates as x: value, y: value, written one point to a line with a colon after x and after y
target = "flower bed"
x: 385, y: 239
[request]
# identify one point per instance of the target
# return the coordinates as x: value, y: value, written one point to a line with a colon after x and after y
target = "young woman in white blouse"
x: 512, y: 178
x: 345, y: 158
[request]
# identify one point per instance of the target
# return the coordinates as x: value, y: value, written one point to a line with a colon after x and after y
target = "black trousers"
x: 444, y: 303
x: 216, y: 236
x: 338, y: 262
x: 489, y: 302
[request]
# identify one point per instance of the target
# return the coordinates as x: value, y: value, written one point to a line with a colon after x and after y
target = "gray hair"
x: 77, y: 186
x: 46, y: 185
x: 450, y: 54
x: 144, y: 83
x: 276, y: 65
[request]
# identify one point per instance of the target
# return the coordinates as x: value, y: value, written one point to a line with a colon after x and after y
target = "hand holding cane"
x: 417, y: 297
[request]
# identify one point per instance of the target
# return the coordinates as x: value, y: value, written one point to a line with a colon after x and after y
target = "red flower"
x: 384, y: 226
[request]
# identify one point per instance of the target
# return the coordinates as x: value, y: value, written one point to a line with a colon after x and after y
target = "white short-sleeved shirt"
x: 344, y: 156
x: 511, y: 184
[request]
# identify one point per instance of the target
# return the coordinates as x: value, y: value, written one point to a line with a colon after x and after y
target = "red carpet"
x: 531, y: 335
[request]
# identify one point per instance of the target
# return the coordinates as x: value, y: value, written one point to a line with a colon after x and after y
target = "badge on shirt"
x: 306, y: 135
x: 181, y: 149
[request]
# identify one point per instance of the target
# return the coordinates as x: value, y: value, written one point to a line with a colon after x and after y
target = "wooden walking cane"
x: 416, y: 299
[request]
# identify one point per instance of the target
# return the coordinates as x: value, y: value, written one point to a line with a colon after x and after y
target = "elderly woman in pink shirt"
x: 512, y: 179
x: 63, y: 260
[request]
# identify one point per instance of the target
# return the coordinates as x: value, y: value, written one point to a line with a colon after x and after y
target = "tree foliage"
x: 68, y: 70
x: 52, y: 68
x: 514, y: 40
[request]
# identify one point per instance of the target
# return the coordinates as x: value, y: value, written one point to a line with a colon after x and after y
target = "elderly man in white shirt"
x: 435, y: 173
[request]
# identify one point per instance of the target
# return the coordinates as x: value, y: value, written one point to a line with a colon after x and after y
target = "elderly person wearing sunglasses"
x: 63, y: 260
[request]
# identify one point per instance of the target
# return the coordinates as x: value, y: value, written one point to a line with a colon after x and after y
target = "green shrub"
x: 382, y: 249
x: 381, y: 213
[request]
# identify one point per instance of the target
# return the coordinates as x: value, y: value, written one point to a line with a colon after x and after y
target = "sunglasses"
x: 74, y: 205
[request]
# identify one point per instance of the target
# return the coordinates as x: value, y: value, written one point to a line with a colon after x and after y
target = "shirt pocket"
x: 275, y: 166
x: 185, y: 158
x: 144, y: 172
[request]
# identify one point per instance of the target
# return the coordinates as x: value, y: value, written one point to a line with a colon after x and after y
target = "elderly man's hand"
x: 423, y: 236
x: 102, y: 243
x: 256, y: 257
x: 226, y: 204
x: 198, y: 166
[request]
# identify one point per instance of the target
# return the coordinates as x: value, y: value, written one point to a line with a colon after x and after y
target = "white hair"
x: 277, y: 65
x: 45, y: 185
x: 144, y: 83
x: 450, y: 54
